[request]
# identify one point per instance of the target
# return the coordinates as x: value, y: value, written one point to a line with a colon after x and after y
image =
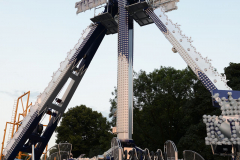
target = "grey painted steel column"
x: 125, y: 73
x: 33, y: 155
x: 130, y: 77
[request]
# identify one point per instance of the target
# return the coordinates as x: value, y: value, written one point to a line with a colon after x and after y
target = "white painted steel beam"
x: 168, y: 5
x: 84, y: 5
x: 201, y: 66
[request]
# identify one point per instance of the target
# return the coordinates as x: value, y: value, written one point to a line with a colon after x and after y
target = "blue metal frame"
x: 89, y: 49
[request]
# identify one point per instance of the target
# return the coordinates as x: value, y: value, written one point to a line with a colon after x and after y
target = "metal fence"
x: 60, y: 151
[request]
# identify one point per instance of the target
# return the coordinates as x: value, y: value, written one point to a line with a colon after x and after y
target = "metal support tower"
x: 125, y: 73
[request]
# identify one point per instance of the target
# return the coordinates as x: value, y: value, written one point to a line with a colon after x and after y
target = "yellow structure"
x: 16, y: 120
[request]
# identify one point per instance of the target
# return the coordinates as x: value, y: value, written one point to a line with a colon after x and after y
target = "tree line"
x: 168, y: 105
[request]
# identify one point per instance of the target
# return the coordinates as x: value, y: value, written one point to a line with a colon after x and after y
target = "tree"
x: 194, y: 138
x: 87, y: 130
x: 160, y: 99
x: 113, y: 107
x: 233, y: 75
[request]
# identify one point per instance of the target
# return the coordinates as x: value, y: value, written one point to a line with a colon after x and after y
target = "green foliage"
x: 160, y: 99
x: 169, y: 105
x: 113, y: 108
x: 194, y: 140
x: 87, y: 130
x: 233, y: 75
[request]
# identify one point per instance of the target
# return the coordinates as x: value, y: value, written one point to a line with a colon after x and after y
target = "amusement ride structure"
x: 118, y: 16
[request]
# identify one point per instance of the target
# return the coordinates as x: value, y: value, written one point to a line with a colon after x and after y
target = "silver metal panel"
x: 171, y: 150
x: 116, y: 149
x: 130, y: 84
x: 84, y: 5
x: 168, y: 5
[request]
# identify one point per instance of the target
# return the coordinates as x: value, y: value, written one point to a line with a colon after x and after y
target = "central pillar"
x: 125, y: 73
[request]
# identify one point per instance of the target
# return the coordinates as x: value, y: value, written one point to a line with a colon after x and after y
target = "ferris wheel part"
x: 202, y: 67
x: 74, y: 66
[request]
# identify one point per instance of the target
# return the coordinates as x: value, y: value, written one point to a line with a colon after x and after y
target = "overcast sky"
x: 36, y: 35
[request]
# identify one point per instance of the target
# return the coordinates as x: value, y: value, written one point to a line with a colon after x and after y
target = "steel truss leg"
x: 83, y: 58
x: 71, y: 90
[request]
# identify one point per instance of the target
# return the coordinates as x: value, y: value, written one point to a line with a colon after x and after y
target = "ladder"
x: 12, y: 120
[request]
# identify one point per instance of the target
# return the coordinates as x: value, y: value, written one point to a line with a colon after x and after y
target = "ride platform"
x: 107, y: 20
x: 138, y: 13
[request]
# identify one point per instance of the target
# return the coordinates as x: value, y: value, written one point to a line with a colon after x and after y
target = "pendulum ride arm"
x: 202, y: 67
x: 74, y: 67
